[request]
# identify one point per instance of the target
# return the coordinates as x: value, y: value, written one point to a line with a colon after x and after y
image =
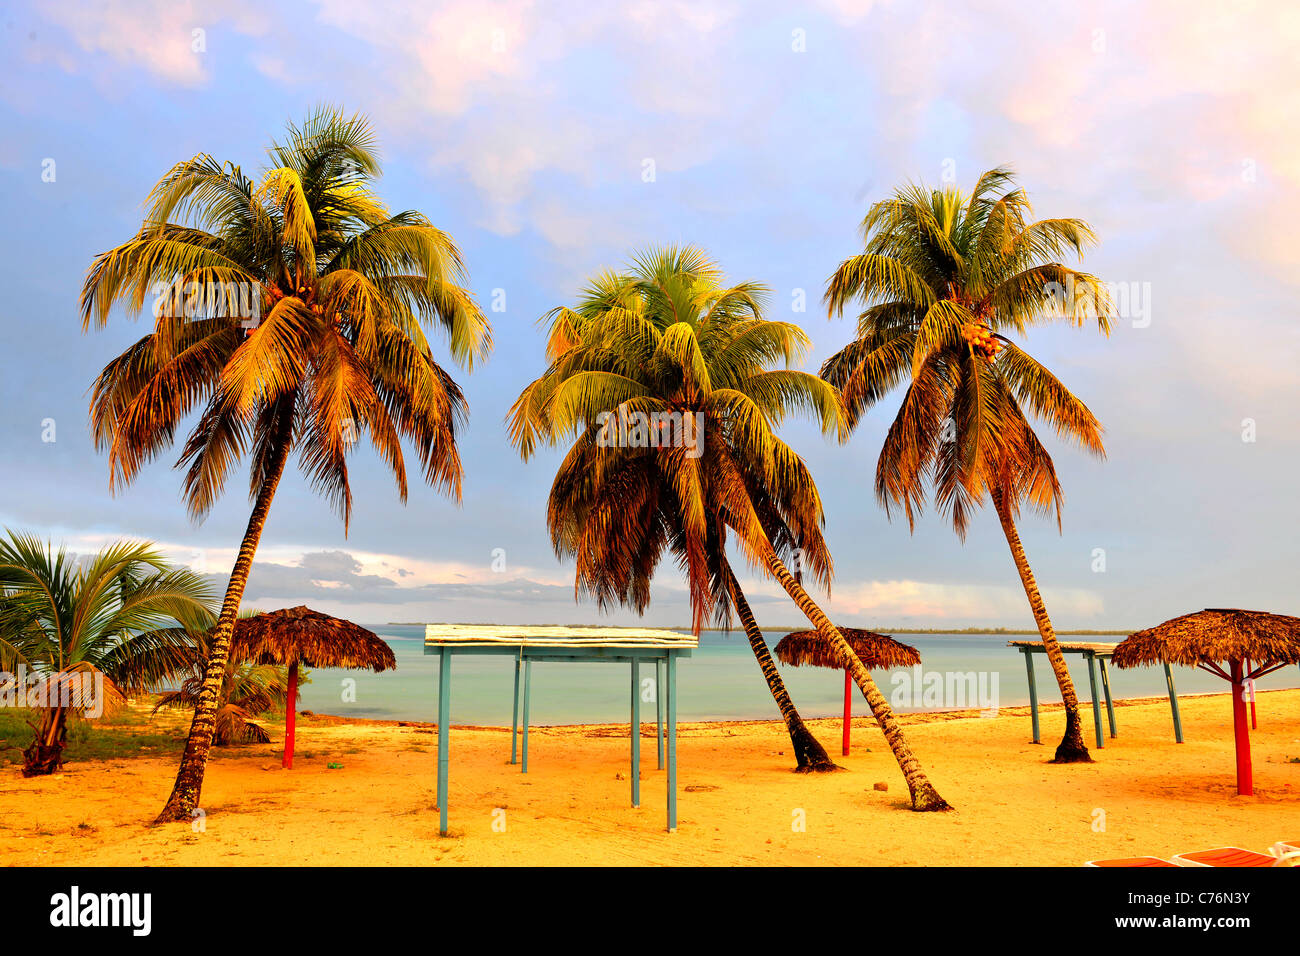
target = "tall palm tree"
x: 618, y: 568
x: 668, y: 338
x: 346, y: 289
x: 943, y: 278
x: 92, y: 632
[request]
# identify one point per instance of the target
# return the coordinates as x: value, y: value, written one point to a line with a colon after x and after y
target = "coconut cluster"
x: 272, y: 295
x: 982, y: 339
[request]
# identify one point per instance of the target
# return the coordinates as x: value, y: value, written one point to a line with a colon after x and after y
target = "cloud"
x: 444, y: 56
x: 337, y: 578
x: 166, y: 37
x: 374, y: 585
x: 1168, y: 101
x: 374, y: 588
x: 273, y: 68
x: 849, y: 12
x: 881, y: 602
x: 511, y: 93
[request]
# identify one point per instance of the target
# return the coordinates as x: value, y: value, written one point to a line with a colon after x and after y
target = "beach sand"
x: 738, y: 801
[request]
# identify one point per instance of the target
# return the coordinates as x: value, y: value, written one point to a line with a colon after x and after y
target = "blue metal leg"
x: 444, y: 718
x: 1173, y: 705
x: 636, y: 733
x: 528, y: 693
x: 1033, y: 692
x: 1105, y: 686
x: 659, y: 709
x: 514, y: 716
x: 1096, y: 704
x: 671, y: 690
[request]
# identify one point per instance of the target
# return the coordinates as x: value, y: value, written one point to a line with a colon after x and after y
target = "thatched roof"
x: 309, y: 637
x: 874, y: 650
x: 1215, y: 635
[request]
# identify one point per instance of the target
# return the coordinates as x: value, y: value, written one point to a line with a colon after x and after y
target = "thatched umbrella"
x: 299, y: 635
x: 874, y: 650
x: 1217, y: 636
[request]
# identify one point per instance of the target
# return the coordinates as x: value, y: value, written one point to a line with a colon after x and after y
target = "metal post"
x: 444, y: 718
x: 659, y: 708
x: 848, y: 710
x: 1033, y: 691
x: 528, y: 692
x: 1173, y: 704
x: 636, y: 733
x: 1096, y: 704
x: 514, y: 713
x: 672, y: 741
x: 1105, y: 686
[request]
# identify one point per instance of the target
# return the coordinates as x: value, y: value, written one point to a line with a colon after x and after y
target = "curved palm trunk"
x: 924, y: 796
x: 45, y: 753
x: 810, y: 756
x: 184, y: 798
x: 1071, y: 749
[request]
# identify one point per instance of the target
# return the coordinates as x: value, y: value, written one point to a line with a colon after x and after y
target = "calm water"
x: 720, y: 681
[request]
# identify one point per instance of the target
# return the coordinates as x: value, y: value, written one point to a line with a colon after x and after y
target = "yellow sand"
x: 738, y: 801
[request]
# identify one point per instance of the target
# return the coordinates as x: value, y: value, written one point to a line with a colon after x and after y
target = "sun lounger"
x: 1224, y: 856
x: 1132, y: 861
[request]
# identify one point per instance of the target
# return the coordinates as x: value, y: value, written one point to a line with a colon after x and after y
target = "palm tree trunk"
x: 924, y: 796
x: 810, y: 756
x: 184, y: 798
x: 1071, y: 749
x: 44, y: 755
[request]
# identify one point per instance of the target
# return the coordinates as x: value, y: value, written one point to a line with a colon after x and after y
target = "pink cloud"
x: 166, y: 37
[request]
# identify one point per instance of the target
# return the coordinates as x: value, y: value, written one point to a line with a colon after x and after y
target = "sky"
x: 552, y: 140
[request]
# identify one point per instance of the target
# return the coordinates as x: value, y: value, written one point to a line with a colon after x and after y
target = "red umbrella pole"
x: 848, y: 709
x: 289, y: 714
x: 1245, y: 783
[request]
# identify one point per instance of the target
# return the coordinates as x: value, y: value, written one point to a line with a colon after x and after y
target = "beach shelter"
x: 874, y: 650
x: 299, y: 635
x: 1212, y: 640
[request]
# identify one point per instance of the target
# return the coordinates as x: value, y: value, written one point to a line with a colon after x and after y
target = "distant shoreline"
x: 993, y: 631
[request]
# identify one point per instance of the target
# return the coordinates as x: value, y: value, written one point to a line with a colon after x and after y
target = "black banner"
x: 138, y: 907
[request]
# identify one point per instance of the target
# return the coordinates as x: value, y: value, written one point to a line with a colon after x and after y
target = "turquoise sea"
x: 720, y: 681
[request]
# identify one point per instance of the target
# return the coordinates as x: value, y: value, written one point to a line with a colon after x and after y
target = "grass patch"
x: 130, y: 732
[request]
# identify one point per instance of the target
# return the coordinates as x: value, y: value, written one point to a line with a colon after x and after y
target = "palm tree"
x: 617, y: 568
x: 336, y: 351
x: 248, y: 691
x: 91, y: 633
x: 664, y: 345
x: 943, y: 278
